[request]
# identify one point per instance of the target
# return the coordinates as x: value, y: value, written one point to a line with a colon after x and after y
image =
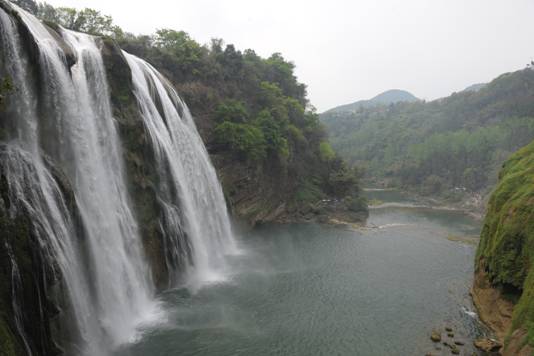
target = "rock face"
x: 504, y: 283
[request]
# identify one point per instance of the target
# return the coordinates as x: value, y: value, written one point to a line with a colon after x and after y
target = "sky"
x: 350, y: 50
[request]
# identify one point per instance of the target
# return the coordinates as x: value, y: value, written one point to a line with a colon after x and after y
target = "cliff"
x: 57, y: 153
x: 505, y: 277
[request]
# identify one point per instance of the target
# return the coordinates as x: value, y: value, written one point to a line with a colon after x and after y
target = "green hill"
x: 448, y: 145
x: 388, y: 97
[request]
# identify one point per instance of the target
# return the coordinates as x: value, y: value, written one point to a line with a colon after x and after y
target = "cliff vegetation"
x: 506, y: 252
x: 265, y: 139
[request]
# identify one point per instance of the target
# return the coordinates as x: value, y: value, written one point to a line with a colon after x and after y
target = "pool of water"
x: 309, y: 289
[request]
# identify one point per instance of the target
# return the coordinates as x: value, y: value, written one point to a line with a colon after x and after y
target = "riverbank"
x: 472, y: 204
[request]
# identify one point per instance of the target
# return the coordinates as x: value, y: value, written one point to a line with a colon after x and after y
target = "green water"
x: 320, y: 290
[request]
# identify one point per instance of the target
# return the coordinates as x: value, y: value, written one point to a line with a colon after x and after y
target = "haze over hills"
x: 433, y: 147
x: 475, y: 87
x: 388, y: 97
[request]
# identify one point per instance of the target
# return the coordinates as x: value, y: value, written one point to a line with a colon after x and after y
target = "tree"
x: 231, y: 110
x: 326, y: 153
x: 245, y: 140
x: 86, y: 20
x: 178, y: 53
x: 272, y: 132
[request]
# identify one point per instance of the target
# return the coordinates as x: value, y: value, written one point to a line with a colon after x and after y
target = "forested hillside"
x: 269, y: 148
x: 446, y: 146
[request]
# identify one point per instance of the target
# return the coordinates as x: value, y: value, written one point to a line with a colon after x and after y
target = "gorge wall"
x: 504, y: 283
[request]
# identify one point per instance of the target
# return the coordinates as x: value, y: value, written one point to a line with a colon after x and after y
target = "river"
x: 309, y: 289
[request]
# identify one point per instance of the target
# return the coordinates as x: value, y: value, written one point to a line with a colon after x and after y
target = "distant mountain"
x: 475, y: 87
x: 443, y: 146
x: 388, y: 97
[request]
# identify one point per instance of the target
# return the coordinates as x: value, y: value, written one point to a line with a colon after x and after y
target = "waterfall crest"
x: 62, y: 120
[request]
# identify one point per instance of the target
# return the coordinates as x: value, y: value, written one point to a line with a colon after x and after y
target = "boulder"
x: 488, y: 345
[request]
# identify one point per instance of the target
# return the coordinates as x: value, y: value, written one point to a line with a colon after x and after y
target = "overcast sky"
x: 350, y: 50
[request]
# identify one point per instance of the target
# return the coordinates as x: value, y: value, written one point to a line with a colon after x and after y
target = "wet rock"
x: 488, y: 345
x: 435, y: 337
x: 459, y: 343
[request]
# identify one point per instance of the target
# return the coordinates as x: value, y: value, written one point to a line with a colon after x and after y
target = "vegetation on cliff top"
x: 506, y: 250
x: 434, y: 147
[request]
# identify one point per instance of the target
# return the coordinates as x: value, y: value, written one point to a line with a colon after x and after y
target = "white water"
x: 16, y: 283
x: 33, y: 188
x: 184, y: 163
x: 111, y: 293
x: 94, y: 239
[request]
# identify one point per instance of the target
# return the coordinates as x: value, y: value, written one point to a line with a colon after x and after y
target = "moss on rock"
x: 506, y: 250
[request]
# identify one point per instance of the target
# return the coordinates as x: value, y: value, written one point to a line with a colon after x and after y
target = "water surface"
x: 321, y: 290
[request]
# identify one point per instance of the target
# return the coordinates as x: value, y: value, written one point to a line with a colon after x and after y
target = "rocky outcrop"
x: 259, y: 195
x: 493, y: 308
x: 504, y: 283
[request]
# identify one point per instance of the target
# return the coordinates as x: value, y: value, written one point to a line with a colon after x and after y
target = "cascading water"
x: 93, y: 238
x: 184, y: 163
x: 117, y: 294
x: 16, y: 283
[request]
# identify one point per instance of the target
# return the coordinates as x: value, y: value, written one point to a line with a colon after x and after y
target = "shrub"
x: 244, y: 139
x: 231, y: 110
x: 326, y: 153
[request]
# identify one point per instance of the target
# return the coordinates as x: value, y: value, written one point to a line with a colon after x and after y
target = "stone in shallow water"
x: 436, y: 337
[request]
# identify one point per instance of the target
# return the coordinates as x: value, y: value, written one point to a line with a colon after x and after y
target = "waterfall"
x: 62, y: 136
x: 111, y: 294
x: 184, y: 163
